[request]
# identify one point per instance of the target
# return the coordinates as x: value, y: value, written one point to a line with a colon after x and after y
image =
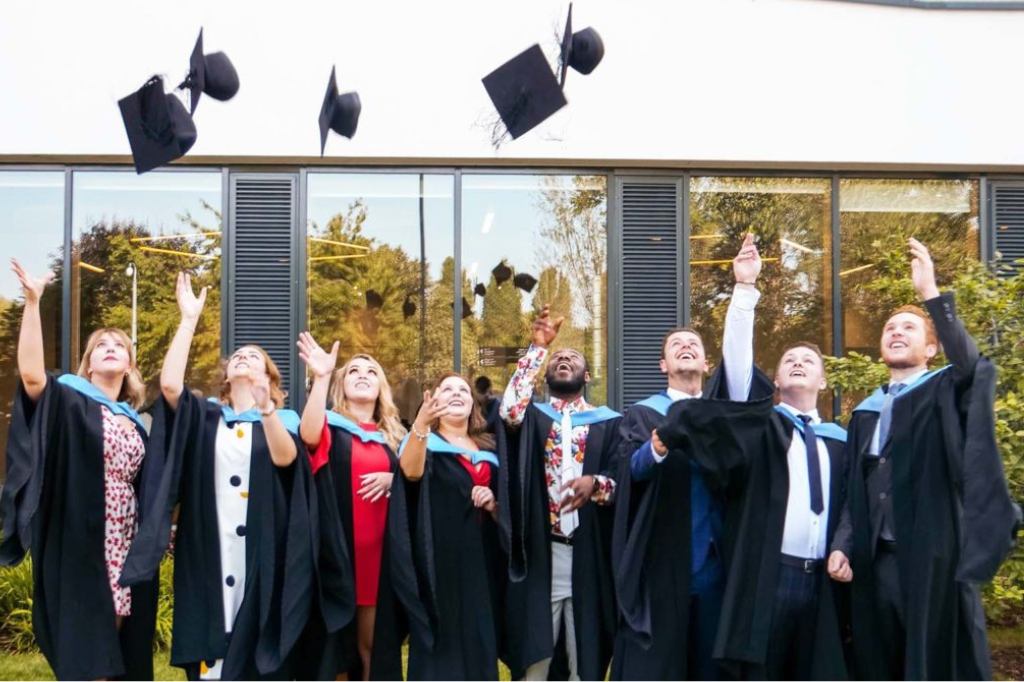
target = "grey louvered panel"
x: 264, y: 220
x: 650, y: 282
x: 1008, y: 201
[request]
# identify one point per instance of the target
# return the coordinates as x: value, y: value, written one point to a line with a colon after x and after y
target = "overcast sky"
x: 775, y: 80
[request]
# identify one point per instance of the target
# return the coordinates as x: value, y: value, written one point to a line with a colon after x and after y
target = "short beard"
x: 567, y: 387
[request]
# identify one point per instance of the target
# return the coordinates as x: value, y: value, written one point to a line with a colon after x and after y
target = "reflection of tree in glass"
x: 573, y: 255
x: 104, y: 297
x: 795, y: 283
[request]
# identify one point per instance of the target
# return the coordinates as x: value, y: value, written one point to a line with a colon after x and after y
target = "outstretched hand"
x: 543, y: 330
x: 32, y: 286
x: 431, y: 410
x: 746, y: 266
x: 320, y: 362
x: 922, y: 270
x: 190, y: 306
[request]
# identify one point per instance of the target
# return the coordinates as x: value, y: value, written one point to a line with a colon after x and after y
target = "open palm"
x: 320, y: 362
x: 32, y: 286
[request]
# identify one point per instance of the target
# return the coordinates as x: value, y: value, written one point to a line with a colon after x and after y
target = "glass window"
x: 552, y: 228
x: 791, y: 218
x: 32, y: 224
x: 133, y: 233
x: 876, y: 218
x: 381, y: 271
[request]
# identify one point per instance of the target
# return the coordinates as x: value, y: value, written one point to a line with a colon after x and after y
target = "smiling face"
x: 800, y: 372
x: 109, y: 354
x: 245, y: 360
x: 683, y: 353
x: 361, y: 379
x: 567, y: 372
x: 907, y: 341
x: 455, y: 392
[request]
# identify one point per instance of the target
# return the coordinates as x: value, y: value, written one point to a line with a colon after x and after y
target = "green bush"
x: 16, y: 608
x: 991, y: 303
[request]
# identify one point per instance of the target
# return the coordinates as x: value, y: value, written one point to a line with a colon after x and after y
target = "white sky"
x: 772, y: 80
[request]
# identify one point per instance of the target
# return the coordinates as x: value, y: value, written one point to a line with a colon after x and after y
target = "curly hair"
x: 478, y: 432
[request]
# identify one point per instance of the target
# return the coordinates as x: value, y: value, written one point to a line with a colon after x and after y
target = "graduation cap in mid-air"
x: 524, y: 281
x: 211, y: 74
x: 159, y: 126
x: 524, y: 91
x: 408, y: 308
x: 582, y: 50
x: 467, y: 310
x: 374, y: 301
x: 480, y: 289
x: 502, y: 273
x: 339, y: 113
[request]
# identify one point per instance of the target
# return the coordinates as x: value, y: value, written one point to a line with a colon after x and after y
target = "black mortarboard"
x: 374, y: 300
x: 582, y: 50
x: 525, y: 282
x: 159, y: 127
x: 467, y: 310
x: 524, y: 91
x: 339, y: 113
x: 408, y: 308
x: 213, y: 74
x: 480, y: 290
x: 502, y: 273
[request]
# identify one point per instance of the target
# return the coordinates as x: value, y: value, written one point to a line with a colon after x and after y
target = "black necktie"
x: 813, y: 465
x: 885, y: 418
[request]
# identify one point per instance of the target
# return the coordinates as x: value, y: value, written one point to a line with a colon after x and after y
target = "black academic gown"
x: 329, y: 645
x: 953, y: 518
x: 651, y: 549
x: 527, y: 521
x: 742, y: 449
x: 279, y: 553
x: 53, y: 505
x: 447, y: 571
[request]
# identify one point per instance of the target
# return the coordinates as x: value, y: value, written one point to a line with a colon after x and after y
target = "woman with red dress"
x: 352, y: 446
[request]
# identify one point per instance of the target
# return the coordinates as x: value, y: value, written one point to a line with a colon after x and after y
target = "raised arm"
x: 413, y: 457
x: 31, y: 361
x: 956, y: 341
x: 282, y: 446
x: 738, y: 337
x: 172, y: 376
x: 519, y: 391
x: 321, y: 364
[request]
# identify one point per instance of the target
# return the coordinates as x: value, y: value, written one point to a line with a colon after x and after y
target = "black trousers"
x: 794, y: 617
x: 889, y: 613
x: 707, y: 589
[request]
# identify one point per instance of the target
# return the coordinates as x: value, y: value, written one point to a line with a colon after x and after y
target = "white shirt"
x: 233, y: 453
x: 804, y: 533
x: 876, y: 448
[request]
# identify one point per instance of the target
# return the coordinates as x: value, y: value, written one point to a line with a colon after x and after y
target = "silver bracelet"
x: 416, y: 432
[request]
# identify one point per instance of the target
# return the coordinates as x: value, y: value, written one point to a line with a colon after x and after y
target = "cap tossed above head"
x: 582, y: 50
x: 502, y: 273
x: 212, y: 74
x: 374, y: 301
x: 525, y: 282
x: 480, y: 289
x: 408, y: 308
x: 339, y: 113
x: 524, y: 91
x: 159, y: 127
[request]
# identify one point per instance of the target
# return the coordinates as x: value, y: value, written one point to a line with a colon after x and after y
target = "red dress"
x: 481, y: 477
x: 369, y: 519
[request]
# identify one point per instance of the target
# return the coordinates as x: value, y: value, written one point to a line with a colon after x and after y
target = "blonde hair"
x: 133, y: 388
x: 276, y: 394
x: 385, y: 414
x: 477, y: 429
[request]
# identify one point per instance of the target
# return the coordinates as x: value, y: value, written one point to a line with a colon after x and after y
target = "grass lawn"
x: 35, y: 667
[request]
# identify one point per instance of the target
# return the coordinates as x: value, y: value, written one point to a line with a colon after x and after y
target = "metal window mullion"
x: 684, y: 226
x: 65, y: 312
x: 457, y: 277
x: 837, y: 299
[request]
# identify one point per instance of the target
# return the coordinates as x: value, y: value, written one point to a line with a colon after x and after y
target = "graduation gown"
x: 953, y: 522
x: 742, y: 449
x: 526, y: 521
x: 53, y: 505
x: 446, y: 568
x: 278, y: 584
x: 651, y: 548
x: 329, y: 644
